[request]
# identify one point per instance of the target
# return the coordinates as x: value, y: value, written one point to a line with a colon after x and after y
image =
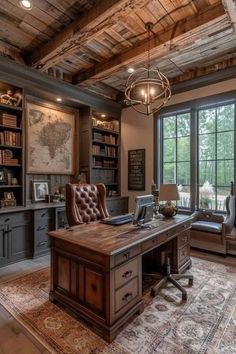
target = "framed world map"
x: 50, y: 134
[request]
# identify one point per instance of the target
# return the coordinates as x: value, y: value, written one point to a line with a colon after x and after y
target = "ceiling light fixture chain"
x: 147, y: 90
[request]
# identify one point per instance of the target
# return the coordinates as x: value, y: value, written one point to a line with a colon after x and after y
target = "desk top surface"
x: 110, y: 239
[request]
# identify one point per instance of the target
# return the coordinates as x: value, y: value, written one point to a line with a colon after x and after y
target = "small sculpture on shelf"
x: 13, y: 99
x: 9, y: 200
x: 155, y: 193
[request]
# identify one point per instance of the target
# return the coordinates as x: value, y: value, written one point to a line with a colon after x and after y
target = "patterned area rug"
x: 205, y: 324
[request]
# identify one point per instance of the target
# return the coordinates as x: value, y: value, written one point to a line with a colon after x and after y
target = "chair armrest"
x: 228, y: 225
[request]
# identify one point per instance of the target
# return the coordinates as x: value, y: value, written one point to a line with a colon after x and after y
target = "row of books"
x: 107, y: 139
x: 10, y: 138
x: 6, y: 160
x: 104, y: 176
x: 104, y: 163
x: 104, y: 150
x: 8, y: 119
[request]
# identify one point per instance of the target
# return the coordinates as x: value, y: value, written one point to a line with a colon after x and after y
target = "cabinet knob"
x: 127, y: 297
x: 40, y: 228
x: 127, y: 274
x: 126, y: 255
x: 42, y: 243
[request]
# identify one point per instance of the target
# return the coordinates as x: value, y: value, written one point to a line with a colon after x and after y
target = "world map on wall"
x: 50, y: 140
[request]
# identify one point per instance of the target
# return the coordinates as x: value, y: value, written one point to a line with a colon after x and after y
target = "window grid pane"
x: 216, y: 155
x: 176, y: 155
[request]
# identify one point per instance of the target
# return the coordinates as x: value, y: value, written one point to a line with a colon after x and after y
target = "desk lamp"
x: 168, y: 192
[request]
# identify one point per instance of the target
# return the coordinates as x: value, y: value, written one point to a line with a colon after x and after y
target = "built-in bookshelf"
x: 11, y: 145
x: 101, y: 160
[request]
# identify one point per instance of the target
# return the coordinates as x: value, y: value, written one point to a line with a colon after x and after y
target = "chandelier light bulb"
x: 152, y: 91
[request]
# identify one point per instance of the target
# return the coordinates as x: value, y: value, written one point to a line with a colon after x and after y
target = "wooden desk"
x: 96, y: 269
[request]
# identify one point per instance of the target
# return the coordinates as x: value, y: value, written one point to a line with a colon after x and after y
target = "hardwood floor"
x: 15, y: 339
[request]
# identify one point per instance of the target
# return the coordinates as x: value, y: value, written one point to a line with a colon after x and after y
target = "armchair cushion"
x: 207, y: 226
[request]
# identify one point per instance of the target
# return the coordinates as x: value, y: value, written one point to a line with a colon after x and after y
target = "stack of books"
x: 6, y: 159
x: 8, y: 119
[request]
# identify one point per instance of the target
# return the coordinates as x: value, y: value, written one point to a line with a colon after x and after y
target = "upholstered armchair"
x: 209, y: 230
x: 85, y: 203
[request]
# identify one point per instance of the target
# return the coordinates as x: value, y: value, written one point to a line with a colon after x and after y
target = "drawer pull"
x: 40, y: 228
x: 127, y: 297
x: 42, y: 215
x: 127, y: 274
x: 6, y: 220
x: 42, y: 243
x: 126, y: 255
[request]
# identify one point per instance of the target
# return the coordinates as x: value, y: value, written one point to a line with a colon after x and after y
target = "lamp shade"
x: 168, y: 192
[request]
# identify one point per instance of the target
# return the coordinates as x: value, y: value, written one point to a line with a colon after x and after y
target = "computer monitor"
x: 143, y: 211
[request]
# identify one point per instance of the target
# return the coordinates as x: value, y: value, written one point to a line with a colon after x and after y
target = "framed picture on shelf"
x: 50, y: 133
x: 39, y: 190
x: 3, y: 179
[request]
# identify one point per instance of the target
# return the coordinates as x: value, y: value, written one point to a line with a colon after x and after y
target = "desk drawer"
x: 126, y: 272
x: 184, y: 254
x: 183, y: 238
x: 149, y: 244
x: 126, y: 294
x: 126, y: 255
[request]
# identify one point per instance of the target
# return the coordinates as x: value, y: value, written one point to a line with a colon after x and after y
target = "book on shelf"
x: 110, y: 139
x: 10, y: 138
x: 11, y: 162
x: 8, y: 119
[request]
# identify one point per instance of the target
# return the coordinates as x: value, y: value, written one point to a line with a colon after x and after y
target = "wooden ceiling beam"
x: 159, y: 43
x: 106, y: 91
x: 205, y: 70
x: 84, y: 29
x: 230, y: 8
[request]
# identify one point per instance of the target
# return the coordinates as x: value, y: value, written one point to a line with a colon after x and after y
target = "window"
x: 176, y: 154
x: 203, y: 173
x: 216, y: 155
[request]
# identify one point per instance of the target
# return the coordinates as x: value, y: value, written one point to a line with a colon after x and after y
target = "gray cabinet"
x: 14, y: 237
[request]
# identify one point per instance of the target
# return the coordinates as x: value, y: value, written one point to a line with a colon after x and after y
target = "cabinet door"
x: 19, y: 241
x: 3, y: 245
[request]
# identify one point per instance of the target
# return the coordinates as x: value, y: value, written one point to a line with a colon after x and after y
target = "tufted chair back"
x: 85, y: 203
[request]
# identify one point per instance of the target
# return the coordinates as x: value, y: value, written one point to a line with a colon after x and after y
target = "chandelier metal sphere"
x: 147, y: 90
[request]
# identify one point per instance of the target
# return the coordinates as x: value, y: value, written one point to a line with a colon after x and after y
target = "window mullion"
x: 194, y: 158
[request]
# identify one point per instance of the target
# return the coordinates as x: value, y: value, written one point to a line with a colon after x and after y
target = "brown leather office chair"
x: 85, y: 203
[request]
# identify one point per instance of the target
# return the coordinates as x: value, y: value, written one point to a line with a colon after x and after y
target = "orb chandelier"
x: 147, y: 90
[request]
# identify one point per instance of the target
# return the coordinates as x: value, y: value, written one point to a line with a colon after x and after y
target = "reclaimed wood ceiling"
x: 92, y: 43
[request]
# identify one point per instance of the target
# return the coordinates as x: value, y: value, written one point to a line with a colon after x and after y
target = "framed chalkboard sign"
x: 136, y: 170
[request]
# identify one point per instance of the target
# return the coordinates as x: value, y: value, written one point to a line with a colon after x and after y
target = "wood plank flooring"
x: 14, y: 338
